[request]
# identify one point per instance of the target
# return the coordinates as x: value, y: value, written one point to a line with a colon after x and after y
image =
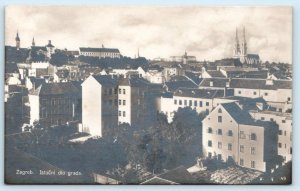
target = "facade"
x: 99, y: 104
x: 200, y: 100
x: 100, y: 52
x: 54, y: 103
x: 230, y: 134
x: 284, y: 122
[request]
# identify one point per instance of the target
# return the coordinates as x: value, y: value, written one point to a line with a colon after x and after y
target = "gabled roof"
x: 115, y: 50
x: 239, y: 115
x: 198, y: 93
x: 107, y: 80
x: 133, y: 81
x: 174, y: 85
x: 195, y: 77
x: 36, y: 81
x: 260, y: 84
x: 56, y: 89
x: 216, y: 82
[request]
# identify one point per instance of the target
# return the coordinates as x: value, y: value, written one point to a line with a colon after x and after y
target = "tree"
x: 59, y: 59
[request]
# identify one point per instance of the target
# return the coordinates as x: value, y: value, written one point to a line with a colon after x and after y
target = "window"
x: 279, y: 145
x: 180, y: 102
x: 254, y: 93
x: 220, y: 145
x: 253, y: 137
x: 241, y: 148
x: 239, y: 92
x: 207, y: 103
x: 195, y: 103
x: 266, y: 94
x: 116, y: 91
x: 120, y: 102
x: 190, y: 103
x: 120, y: 90
x: 120, y: 113
x: 124, y: 91
x: 252, y: 164
x: 124, y: 102
x: 209, y: 155
x: 242, y: 162
x: 209, y: 143
x: 242, y: 135
x: 283, y: 121
x: 185, y: 102
x: 209, y: 130
x: 284, y: 133
x: 219, y: 131
x: 252, y: 150
x: 271, y: 119
x: 124, y: 114
x: 219, y: 157
x: 280, y: 132
x: 262, y: 118
x: 229, y: 146
x: 220, y: 110
x: 289, y: 99
x: 175, y: 101
x: 116, y: 102
x: 230, y: 133
x: 220, y: 119
x: 200, y: 103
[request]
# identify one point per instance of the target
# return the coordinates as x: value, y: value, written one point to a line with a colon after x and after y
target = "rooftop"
x: 88, y: 49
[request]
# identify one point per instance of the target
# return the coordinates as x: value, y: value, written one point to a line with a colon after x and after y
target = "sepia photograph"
x: 148, y: 95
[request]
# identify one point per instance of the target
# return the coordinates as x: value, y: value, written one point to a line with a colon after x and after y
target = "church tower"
x: 237, y: 50
x: 244, y: 44
x: 33, y: 42
x: 18, y: 41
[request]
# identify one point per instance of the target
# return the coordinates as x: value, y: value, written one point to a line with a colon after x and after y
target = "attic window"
x: 220, y: 110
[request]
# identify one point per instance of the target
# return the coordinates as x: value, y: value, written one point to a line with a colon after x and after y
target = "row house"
x: 231, y: 135
x: 200, y: 100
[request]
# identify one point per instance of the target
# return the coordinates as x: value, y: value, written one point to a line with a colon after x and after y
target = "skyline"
x: 130, y: 28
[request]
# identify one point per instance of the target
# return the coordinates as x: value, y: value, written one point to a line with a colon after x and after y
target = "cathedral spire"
x: 33, y: 42
x: 17, y: 40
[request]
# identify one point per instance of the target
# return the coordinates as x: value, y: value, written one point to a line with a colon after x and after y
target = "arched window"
x: 220, y: 110
x: 253, y: 137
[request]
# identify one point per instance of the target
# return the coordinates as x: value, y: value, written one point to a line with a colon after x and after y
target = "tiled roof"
x: 133, y: 81
x: 198, y: 93
x: 82, y: 49
x: 56, y: 89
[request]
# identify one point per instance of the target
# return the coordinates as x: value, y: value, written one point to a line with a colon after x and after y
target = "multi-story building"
x: 200, y: 100
x: 284, y: 122
x: 109, y: 100
x: 230, y: 134
x: 54, y: 103
x: 99, y: 104
x: 100, y: 52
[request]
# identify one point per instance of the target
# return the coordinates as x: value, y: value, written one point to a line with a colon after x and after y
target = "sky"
x: 157, y: 31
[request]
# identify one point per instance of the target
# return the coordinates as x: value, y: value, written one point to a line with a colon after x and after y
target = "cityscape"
x: 92, y: 114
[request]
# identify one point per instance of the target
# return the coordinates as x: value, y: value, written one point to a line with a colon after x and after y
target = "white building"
x: 200, y: 100
x: 100, y: 52
x: 230, y: 134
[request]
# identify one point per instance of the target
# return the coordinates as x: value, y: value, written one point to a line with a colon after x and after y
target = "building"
x: 200, y: 100
x: 231, y: 135
x: 100, y: 52
x: 99, y: 104
x: 284, y: 122
x: 185, y: 59
x: 241, y: 52
x: 54, y: 103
